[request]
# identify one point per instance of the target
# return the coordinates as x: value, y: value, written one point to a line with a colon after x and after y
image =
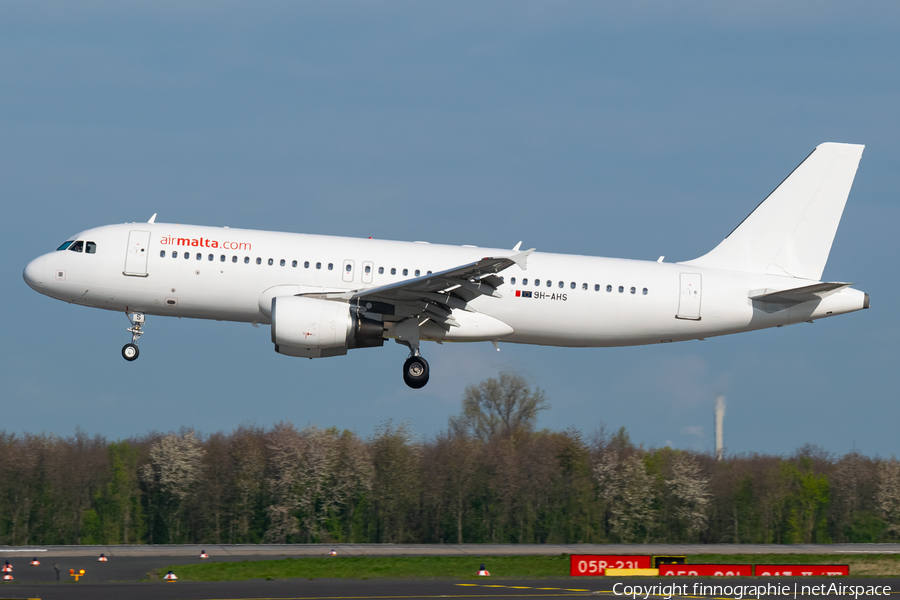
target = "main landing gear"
x: 130, y: 351
x: 415, y: 371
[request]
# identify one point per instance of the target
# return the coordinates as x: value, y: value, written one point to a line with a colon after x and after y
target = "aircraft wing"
x: 435, y: 295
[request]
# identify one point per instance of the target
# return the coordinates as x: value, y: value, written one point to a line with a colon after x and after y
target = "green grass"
x: 500, y: 567
x: 383, y: 567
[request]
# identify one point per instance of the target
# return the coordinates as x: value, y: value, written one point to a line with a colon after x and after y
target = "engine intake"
x: 314, y: 324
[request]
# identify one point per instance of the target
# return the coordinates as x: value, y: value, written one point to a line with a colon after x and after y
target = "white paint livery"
x: 324, y: 295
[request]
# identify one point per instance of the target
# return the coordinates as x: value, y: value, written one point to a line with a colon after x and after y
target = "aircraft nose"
x: 34, y: 273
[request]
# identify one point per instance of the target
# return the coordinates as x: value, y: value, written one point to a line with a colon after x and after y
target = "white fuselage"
x: 568, y: 300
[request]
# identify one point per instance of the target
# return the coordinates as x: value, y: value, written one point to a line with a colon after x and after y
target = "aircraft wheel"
x: 415, y: 372
x: 130, y: 352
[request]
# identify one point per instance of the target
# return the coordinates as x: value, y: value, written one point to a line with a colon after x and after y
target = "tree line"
x: 490, y: 476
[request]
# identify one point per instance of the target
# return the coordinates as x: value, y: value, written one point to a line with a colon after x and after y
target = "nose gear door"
x: 137, y: 253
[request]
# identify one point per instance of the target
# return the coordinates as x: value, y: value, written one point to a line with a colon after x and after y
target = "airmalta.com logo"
x: 169, y: 240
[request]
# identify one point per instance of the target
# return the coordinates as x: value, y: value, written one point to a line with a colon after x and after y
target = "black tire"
x: 415, y: 372
x: 130, y: 352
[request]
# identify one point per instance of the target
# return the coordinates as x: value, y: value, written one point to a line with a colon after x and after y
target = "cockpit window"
x: 65, y: 245
x: 90, y: 248
x: 77, y: 246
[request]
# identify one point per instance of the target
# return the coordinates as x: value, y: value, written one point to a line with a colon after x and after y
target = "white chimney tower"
x: 720, y: 418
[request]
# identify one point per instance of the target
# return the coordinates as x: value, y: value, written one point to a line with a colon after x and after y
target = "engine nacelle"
x: 310, y: 325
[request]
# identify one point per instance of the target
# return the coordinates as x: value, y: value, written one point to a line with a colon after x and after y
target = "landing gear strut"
x: 130, y: 351
x: 415, y: 372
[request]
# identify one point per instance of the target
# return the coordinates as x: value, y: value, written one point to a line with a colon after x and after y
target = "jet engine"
x: 311, y: 327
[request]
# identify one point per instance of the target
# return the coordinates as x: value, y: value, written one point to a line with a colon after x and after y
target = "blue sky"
x: 616, y: 129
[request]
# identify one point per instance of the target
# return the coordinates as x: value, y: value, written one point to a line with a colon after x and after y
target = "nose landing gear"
x: 130, y: 351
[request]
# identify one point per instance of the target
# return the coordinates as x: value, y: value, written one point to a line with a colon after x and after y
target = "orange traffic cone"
x: 332, y: 553
x: 7, y: 577
x: 102, y: 558
x: 483, y: 572
x: 170, y: 576
x: 7, y: 568
x: 203, y: 554
x: 35, y: 562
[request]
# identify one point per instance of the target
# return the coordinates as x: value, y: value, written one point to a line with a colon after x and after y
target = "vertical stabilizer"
x: 790, y: 233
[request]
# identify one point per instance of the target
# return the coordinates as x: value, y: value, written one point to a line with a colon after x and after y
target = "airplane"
x: 325, y: 295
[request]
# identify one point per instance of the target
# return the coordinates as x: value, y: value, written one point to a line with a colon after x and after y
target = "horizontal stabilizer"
x: 816, y: 291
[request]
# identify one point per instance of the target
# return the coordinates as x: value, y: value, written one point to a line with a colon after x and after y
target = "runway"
x: 284, y: 550
x: 324, y: 589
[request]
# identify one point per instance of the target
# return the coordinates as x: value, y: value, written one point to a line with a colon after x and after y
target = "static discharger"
x: 483, y: 572
x: 76, y: 574
x: 102, y: 558
x: 170, y: 576
x: 35, y: 562
x: 203, y: 554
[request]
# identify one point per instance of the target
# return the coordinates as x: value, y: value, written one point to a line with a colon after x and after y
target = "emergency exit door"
x: 689, y: 300
x: 137, y: 253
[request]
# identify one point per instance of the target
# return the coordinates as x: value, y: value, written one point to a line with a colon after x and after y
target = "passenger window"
x: 621, y: 289
x: 562, y: 285
x: 429, y: 273
x: 393, y: 271
x: 187, y: 255
x: 381, y: 270
x: 417, y: 272
x: 90, y: 248
x: 368, y: 269
x: 222, y: 258
x: 77, y: 246
x: 502, y: 278
x: 306, y: 264
x: 550, y: 283
x: 294, y: 263
x: 349, y: 267
x: 199, y: 256
x: 609, y: 288
x: 330, y: 266
x: 271, y: 262
x: 210, y: 257
x: 258, y: 260
x: 174, y: 254
x: 645, y: 291
x: 234, y: 259
x: 246, y: 260
x: 405, y: 272
x: 537, y: 282
x: 318, y: 265
x: 162, y: 253
x: 596, y: 287
x: 633, y: 290
x: 65, y: 246
x: 281, y: 262
x: 512, y: 280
